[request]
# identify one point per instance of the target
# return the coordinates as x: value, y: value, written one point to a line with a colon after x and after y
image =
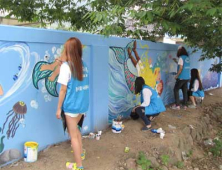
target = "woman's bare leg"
x: 193, y: 100
x: 74, y: 134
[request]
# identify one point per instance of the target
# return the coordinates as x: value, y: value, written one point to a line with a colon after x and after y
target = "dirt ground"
x: 108, y: 153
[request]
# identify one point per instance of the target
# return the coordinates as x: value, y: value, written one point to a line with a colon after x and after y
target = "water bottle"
x: 154, y: 130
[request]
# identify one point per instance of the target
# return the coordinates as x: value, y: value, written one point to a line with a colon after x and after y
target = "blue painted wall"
x: 20, y: 50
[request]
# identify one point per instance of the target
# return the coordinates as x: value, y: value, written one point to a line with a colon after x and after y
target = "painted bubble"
x: 34, y: 104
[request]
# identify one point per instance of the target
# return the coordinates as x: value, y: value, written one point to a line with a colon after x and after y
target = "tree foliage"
x: 199, y: 22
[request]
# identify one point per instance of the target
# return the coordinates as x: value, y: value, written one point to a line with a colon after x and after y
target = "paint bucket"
x: 117, y: 126
x: 30, y: 151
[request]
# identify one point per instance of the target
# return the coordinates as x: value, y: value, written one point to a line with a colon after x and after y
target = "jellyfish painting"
x: 14, y: 118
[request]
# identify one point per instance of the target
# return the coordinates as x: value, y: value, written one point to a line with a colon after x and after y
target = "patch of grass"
x: 144, y: 163
x: 190, y: 153
x: 165, y: 159
x: 159, y: 168
x: 180, y: 165
x: 219, y: 134
x: 217, y: 148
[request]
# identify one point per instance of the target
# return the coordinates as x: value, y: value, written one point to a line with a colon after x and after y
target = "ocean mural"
x: 28, y: 95
x: 17, y: 80
x: 126, y: 64
x: 29, y: 91
x: 156, y: 67
x: 48, y: 70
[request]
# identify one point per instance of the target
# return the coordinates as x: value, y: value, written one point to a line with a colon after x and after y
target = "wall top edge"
x: 48, y: 36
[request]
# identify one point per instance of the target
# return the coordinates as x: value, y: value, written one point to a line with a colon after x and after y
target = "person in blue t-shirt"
x: 195, y: 89
x: 73, y: 95
x: 182, y: 77
x: 151, y: 103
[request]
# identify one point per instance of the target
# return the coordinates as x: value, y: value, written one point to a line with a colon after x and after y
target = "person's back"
x: 185, y: 74
x: 77, y: 96
x: 156, y: 104
x: 196, y: 89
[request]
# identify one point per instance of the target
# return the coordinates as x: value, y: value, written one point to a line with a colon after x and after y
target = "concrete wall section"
x: 29, y: 89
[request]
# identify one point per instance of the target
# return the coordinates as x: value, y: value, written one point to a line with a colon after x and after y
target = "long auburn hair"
x: 195, y: 75
x: 73, y: 54
x: 181, y: 51
x: 139, y: 84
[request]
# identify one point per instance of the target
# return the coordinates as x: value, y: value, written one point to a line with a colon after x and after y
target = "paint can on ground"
x: 117, y: 126
x: 31, y: 151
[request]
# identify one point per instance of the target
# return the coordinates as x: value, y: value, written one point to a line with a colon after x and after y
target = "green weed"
x: 165, y: 159
x: 217, y: 148
x: 190, y: 153
x: 144, y: 163
x: 180, y: 165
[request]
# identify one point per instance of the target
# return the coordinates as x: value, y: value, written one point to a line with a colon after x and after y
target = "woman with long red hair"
x: 73, y: 95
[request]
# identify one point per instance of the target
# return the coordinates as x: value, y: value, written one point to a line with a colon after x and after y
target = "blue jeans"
x: 141, y: 112
x: 180, y: 84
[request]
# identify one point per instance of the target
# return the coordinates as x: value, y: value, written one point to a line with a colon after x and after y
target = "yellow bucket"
x: 30, y: 151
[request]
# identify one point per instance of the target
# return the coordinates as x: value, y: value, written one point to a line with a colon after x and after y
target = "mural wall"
x: 156, y: 66
x: 29, y: 89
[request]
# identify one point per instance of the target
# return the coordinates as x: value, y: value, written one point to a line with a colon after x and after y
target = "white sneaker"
x: 192, y: 106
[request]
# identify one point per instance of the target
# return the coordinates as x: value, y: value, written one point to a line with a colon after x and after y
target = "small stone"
x: 184, y: 156
x: 196, y: 169
x: 164, y: 168
x: 172, y: 127
x: 220, y: 167
x: 154, y: 162
x: 121, y: 168
x: 208, y: 142
x: 209, y: 153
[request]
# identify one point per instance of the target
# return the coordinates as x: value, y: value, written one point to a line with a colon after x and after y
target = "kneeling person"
x: 151, y: 103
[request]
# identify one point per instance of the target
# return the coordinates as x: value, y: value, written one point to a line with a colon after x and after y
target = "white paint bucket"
x: 30, y: 151
x: 117, y: 126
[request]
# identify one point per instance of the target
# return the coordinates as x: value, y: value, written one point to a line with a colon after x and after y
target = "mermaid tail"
x: 119, y: 53
x: 38, y: 74
x: 51, y: 86
x: 122, y: 56
x: 130, y: 78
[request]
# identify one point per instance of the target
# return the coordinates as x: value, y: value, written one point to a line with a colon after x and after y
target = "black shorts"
x: 189, y: 93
